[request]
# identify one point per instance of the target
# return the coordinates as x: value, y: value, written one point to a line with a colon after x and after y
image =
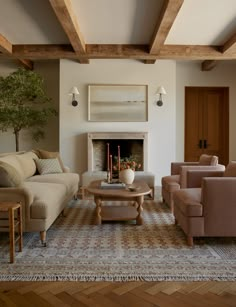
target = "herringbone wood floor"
x: 108, y: 294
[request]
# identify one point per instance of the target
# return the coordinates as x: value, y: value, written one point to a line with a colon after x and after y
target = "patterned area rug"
x: 118, y: 251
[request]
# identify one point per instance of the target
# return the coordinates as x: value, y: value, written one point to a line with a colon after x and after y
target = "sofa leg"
x: 63, y: 212
x: 190, y: 240
x: 43, y: 238
x: 75, y: 196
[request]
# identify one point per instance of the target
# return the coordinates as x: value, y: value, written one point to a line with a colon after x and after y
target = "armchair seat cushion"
x: 170, y: 183
x: 188, y: 202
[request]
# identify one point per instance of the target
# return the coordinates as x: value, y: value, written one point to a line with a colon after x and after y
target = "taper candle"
x: 111, y: 167
x: 118, y: 158
x: 108, y: 155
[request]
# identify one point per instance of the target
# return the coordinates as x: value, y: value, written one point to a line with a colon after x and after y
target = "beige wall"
x: 189, y: 74
x: 165, y: 125
x: 50, y: 73
x: 74, y: 122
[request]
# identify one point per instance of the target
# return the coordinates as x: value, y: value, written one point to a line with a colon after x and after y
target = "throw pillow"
x: 230, y: 170
x: 208, y: 160
x: 9, y: 176
x: 48, y: 166
x: 44, y: 154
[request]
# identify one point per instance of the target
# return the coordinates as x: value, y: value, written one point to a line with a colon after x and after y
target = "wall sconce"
x: 160, y: 91
x: 74, y: 91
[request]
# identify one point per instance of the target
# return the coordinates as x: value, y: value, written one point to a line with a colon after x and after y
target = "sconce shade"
x: 74, y: 91
x: 161, y: 90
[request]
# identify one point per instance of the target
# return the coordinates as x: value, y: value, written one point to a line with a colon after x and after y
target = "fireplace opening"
x: 131, y: 144
x: 128, y: 148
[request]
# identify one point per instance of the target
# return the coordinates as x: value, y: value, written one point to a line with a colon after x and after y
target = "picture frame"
x: 117, y: 103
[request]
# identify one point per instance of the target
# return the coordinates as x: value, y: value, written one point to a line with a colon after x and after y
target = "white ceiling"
x: 117, y: 22
x: 203, y: 22
x: 30, y: 22
x: 199, y: 22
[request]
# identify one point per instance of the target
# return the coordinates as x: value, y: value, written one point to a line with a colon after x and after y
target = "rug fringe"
x: 113, y: 278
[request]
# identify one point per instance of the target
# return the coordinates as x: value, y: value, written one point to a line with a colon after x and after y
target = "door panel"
x: 193, y: 131
x: 206, y: 123
x: 212, y: 125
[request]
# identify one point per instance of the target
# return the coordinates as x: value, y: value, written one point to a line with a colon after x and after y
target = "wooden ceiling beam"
x: 5, y: 45
x: 6, y: 48
x: 68, y: 21
x: 149, y: 61
x: 167, y: 17
x: 138, y: 52
x: 230, y: 45
x: 208, y: 65
x: 27, y: 64
x: 193, y: 52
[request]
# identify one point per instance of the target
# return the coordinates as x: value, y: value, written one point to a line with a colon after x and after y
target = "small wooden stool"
x: 11, y: 207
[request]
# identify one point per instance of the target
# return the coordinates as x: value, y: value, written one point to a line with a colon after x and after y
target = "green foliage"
x: 24, y: 103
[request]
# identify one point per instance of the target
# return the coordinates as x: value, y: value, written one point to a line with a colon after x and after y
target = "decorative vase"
x: 127, y: 176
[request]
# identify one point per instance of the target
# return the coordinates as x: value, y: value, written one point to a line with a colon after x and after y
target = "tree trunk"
x: 16, y: 132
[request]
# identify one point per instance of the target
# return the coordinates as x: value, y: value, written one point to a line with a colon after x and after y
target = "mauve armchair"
x: 209, y: 211
x: 178, y: 178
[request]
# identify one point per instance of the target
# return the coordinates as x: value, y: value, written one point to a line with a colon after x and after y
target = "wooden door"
x: 207, y: 122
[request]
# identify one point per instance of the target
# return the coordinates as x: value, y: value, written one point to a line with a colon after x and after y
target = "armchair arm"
x: 219, y: 209
x: 194, y: 177
x: 185, y: 169
x: 176, y: 166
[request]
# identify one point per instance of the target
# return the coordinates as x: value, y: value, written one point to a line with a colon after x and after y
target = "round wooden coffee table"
x: 119, y: 212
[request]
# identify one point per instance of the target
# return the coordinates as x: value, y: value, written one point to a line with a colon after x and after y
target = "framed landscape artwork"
x: 117, y: 103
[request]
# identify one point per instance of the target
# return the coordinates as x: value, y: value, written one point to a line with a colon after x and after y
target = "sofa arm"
x: 176, y: 166
x: 194, y: 177
x: 219, y: 210
x: 18, y: 194
x: 66, y: 169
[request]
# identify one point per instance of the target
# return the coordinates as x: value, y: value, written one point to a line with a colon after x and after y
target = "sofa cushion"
x: 188, y: 201
x: 70, y: 180
x: 208, y: 160
x: 48, y: 166
x: 23, y: 163
x: 230, y: 170
x: 44, y: 154
x: 9, y: 176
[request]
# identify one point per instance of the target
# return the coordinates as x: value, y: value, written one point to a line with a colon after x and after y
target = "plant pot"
x: 127, y: 176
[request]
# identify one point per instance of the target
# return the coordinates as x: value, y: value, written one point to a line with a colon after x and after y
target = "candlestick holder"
x: 108, y: 176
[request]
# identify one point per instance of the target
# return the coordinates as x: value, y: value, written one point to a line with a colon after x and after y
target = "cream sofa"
x: 43, y: 196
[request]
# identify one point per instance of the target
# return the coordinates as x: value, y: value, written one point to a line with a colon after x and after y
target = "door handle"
x: 205, y: 144
x: 200, y: 144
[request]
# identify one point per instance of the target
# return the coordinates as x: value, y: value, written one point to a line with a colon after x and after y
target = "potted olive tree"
x: 24, y: 104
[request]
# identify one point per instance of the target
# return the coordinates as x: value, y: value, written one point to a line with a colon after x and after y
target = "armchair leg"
x: 43, y: 238
x: 176, y: 222
x: 190, y: 240
x: 172, y: 206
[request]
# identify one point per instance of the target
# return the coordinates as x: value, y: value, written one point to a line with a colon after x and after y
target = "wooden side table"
x: 14, y: 221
